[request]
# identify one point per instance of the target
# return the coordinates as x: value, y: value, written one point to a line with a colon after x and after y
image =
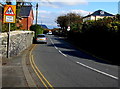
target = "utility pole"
x: 119, y: 7
x: 36, y: 12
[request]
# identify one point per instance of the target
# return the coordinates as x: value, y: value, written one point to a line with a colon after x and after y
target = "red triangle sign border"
x: 7, y: 10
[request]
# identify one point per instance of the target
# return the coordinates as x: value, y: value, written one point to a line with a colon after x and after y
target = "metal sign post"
x: 8, y: 43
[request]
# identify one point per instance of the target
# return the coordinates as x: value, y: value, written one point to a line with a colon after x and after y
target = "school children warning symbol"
x: 9, y: 11
x: 9, y: 14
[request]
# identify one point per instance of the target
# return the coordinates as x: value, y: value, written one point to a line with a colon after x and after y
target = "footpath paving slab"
x: 12, y: 73
x: 15, y: 73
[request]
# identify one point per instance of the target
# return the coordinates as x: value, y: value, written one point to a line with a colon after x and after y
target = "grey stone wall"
x: 19, y: 41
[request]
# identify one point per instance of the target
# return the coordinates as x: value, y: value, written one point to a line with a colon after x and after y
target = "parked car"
x: 41, y: 38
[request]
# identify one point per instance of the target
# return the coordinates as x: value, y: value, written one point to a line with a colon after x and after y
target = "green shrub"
x: 5, y: 27
x: 37, y: 29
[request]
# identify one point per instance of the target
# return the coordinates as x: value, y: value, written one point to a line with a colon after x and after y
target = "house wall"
x: 89, y: 18
x: 23, y: 22
x: 26, y: 22
x: 99, y: 17
x: 19, y: 41
x: 94, y: 18
x: 30, y: 20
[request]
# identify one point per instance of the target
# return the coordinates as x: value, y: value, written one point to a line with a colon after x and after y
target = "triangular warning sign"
x: 9, y: 11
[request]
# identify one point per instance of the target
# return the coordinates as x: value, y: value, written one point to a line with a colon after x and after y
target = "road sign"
x: 9, y: 11
x: 9, y: 18
x: 9, y: 14
x: 68, y: 29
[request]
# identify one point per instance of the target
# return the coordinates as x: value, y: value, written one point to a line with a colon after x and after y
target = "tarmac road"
x: 63, y: 65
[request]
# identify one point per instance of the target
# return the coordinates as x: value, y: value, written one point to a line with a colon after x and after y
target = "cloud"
x: 69, y: 1
x: 81, y: 12
x: 58, y: 3
x: 44, y: 11
x: 48, y: 17
x: 77, y: 11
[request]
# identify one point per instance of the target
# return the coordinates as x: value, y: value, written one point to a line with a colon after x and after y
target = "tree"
x: 68, y: 20
x: 37, y: 29
x: 117, y: 17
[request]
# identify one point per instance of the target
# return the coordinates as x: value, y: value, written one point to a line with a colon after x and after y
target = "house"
x: 99, y: 14
x: 26, y: 17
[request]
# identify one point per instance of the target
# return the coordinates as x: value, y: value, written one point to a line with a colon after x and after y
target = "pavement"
x: 15, y: 73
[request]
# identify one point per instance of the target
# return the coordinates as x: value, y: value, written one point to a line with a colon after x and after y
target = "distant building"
x: 99, y: 14
x: 119, y: 7
x: 27, y: 17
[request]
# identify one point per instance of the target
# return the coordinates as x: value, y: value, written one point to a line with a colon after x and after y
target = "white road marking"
x: 97, y: 70
x: 51, y: 41
x: 62, y: 53
x: 57, y: 48
x: 53, y: 44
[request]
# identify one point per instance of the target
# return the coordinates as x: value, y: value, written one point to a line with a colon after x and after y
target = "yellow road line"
x: 32, y: 49
x: 42, y: 74
x: 37, y: 71
x: 37, y: 74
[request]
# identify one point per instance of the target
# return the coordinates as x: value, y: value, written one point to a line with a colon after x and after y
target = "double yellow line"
x: 39, y: 74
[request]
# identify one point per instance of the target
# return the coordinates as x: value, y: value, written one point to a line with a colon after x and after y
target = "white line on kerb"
x: 97, y: 70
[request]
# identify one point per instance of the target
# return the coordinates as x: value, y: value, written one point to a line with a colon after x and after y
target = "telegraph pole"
x: 36, y: 12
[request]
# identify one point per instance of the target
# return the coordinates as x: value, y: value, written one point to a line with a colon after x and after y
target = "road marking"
x: 51, y: 41
x: 86, y: 65
x: 57, y: 49
x: 98, y: 70
x: 29, y: 79
x: 37, y: 71
x: 53, y: 44
x: 41, y: 74
x: 62, y: 53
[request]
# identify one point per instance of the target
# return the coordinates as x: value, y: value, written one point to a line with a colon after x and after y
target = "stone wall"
x: 19, y: 41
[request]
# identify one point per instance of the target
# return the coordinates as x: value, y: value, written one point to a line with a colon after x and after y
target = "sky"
x: 49, y: 10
